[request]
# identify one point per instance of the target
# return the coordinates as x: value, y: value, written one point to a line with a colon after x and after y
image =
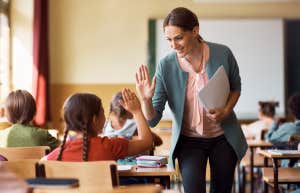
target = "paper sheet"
x: 216, y: 91
x: 124, y: 167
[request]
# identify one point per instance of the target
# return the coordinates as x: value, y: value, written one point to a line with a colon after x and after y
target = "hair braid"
x: 59, y: 157
x: 85, y: 142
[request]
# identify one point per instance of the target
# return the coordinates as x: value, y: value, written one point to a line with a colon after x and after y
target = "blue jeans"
x: 192, y: 154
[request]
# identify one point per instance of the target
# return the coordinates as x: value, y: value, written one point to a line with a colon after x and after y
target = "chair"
x: 4, y: 125
x: 18, y: 153
x: 262, y: 133
x: 294, y: 138
x: 22, y: 168
x: 95, y: 174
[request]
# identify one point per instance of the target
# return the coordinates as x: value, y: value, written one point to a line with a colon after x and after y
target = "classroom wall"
x: 97, y: 45
x: 21, y: 16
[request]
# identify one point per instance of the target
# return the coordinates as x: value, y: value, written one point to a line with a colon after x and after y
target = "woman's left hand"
x: 217, y: 115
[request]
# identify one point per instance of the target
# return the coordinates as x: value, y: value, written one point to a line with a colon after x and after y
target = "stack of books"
x: 151, y: 161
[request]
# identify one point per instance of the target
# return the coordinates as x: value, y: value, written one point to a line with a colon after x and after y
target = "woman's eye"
x: 178, y: 38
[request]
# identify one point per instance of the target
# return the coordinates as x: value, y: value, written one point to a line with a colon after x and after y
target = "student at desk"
x: 20, y: 111
x: 84, y: 114
x: 281, y: 133
x: 266, y: 115
x: 121, y: 123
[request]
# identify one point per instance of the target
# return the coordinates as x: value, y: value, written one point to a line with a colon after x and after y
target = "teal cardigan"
x: 170, y: 86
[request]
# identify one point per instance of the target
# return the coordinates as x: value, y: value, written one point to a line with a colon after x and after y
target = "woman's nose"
x: 173, y: 45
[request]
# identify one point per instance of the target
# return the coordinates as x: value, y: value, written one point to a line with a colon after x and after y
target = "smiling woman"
x: 198, y: 134
x: 255, y: 51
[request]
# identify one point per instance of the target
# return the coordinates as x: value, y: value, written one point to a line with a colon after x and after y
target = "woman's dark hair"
x: 79, y: 111
x: 294, y: 105
x: 183, y: 18
x: 20, y: 107
x: 267, y: 108
x: 117, y: 108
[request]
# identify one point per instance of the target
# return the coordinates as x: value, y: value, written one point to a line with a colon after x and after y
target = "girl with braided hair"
x: 84, y: 114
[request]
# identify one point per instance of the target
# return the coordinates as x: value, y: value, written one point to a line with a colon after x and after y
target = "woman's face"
x: 181, y: 41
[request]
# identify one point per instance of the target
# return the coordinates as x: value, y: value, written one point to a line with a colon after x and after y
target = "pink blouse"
x: 195, y: 122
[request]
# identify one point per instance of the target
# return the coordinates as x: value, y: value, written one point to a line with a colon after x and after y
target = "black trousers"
x: 193, y: 153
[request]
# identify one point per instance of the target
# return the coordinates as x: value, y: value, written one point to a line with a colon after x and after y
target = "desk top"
x: 268, y: 154
x: 284, y: 175
x: 121, y: 189
x: 139, y: 171
x: 258, y: 143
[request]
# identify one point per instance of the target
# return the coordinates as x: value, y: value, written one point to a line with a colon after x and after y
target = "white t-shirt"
x: 127, y: 131
x: 254, y: 129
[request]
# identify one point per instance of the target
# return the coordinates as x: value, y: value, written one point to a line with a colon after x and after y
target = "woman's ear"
x: 196, y: 31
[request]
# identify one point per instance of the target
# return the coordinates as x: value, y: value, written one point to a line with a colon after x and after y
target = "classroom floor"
x: 179, y: 187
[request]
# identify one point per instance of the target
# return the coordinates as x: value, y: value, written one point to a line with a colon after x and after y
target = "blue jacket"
x: 281, y: 133
x: 170, y: 86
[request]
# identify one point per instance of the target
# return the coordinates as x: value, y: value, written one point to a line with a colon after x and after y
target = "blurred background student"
x: 282, y: 132
x: 266, y: 116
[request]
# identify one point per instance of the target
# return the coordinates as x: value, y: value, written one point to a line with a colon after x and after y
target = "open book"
x: 216, y: 91
x: 283, y: 152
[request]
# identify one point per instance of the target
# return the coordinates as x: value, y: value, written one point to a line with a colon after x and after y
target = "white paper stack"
x: 216, y: 91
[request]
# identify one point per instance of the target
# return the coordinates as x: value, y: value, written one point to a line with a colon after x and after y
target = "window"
x: 4, y: 50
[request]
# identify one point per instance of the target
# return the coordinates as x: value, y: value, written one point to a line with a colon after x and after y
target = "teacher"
x: 198, y: 134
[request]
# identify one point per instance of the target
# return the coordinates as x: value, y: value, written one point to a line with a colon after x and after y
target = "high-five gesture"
x: 130, y: 101
x: 143, y: 85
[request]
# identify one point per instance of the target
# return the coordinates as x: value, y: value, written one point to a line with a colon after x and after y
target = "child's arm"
x: 144, y: 142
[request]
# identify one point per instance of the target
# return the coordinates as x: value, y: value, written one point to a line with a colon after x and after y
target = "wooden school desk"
x: 163, y: 174
x: 287, y: 175
x: 253, y: 144
x: 121, y: 189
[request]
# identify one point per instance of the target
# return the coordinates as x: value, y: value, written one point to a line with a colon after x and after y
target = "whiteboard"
x: 258, y: 46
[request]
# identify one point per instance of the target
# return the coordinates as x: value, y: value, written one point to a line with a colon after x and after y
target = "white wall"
x: 258, y: 47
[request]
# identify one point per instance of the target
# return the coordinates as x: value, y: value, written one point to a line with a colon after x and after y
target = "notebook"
x: 283, y: 152
x: 53, y: 182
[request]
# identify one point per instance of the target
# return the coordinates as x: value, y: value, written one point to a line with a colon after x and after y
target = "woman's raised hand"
x: 130, y: 101
x: 143, y: 85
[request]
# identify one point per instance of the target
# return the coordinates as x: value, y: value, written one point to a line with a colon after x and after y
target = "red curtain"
x: 41, y: 61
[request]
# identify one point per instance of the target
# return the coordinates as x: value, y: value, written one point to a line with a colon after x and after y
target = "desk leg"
x: 165, y: 181
x: 251, y: 169
x: 266, y: 190
x: 275, y: 168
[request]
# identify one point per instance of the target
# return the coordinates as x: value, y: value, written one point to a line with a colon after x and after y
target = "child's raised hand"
x: 130, y: 101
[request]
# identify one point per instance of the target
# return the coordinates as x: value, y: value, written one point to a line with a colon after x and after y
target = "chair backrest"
x: 262, y: 133
x: 293, y: 138
x: 96, y: 174
x: 4, y: 125
x: 19, y: 153
x: 22, y: 168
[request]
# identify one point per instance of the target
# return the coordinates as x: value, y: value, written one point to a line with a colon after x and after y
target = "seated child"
x: 266, y: 114
x: 281, y: 133
x: 120, y: 122
x: 20, y: 110
x: 84, y: 114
